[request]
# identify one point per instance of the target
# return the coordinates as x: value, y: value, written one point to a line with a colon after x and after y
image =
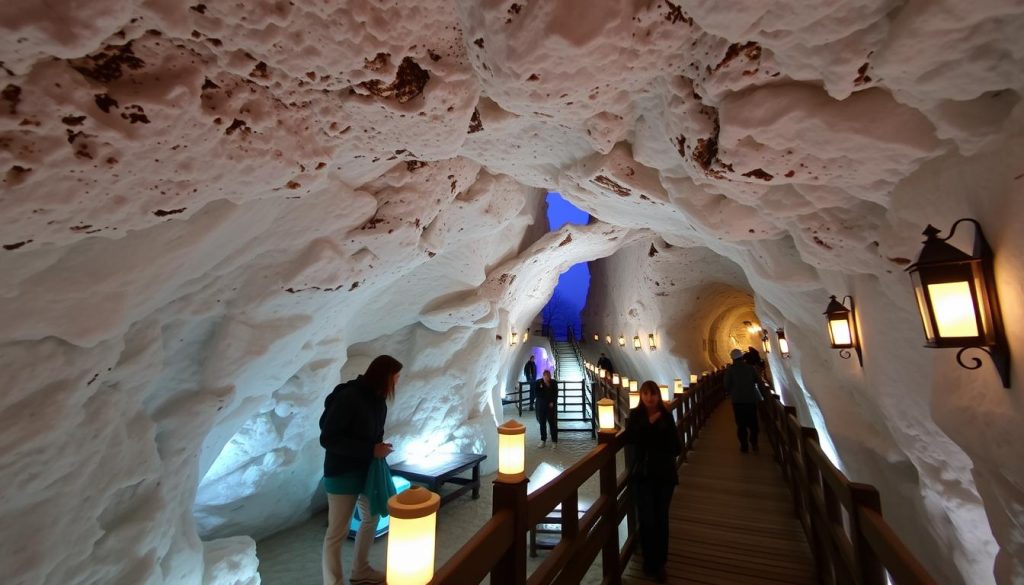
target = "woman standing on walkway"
x: 352, y: 432
x: 547, y: 409
x: 656, y: 445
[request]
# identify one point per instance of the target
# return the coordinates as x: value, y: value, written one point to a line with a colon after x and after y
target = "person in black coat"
x: 352, y: 433
x: 652, y: 432
x: 604, y: 362
x: 547, y: 409
x: 530, y: 371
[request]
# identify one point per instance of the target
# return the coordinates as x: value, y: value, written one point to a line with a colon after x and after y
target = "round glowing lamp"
x: 412, y: 536
x: 606, y: 415
x: 957, y: 300
x: 511, y: 452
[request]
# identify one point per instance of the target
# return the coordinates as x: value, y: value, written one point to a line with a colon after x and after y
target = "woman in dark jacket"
x: 352, y: 432
x: 656, y: 445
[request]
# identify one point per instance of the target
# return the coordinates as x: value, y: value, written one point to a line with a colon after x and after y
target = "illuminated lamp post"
x: 957, y: 299
x: 842, y: 328
x: 606, y: 415
x: 693, y: 379
x: 678, y: 386
x: 511, y: 452
x: 412, y: 536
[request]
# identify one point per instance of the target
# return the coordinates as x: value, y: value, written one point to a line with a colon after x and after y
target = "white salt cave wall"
x: 211, y: 213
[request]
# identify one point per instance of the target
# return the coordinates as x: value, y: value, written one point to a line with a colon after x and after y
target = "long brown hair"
x: 380, y: 376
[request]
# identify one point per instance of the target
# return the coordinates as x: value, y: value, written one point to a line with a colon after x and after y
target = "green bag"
x: 379, y: 487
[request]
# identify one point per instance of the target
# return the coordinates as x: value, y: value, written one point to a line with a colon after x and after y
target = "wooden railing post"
x: 609, y: 489
x: 819, y: 536
x: 869, y: 567
x: 511, y: 569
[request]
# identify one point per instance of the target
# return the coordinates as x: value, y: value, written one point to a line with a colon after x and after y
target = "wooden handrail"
x: 472, y: 562
x: 499, y: 547
x: 859, y: 550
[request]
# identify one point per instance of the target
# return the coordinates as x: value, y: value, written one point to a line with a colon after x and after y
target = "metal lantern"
x: 765, y: 345
x: 511, y: 452
x: 783, y: 343
x: 606, y: 415
x: 608, y: 339
x: 634, y: 386
x: 597, y: 337
x: 693, y: 379
x: 636, y: 342
x: 625, y: 382
x: 412, y: 536
x: 957, y: 299
x: 615, y: 379
x: 622, y: 341
x: 650, y: 342
x: 678, y: 388
x: 513, y: 339
x: 526, y: 335
x: 842, y: 328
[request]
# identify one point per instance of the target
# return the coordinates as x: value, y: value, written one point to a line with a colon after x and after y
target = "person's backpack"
x: 330, y: 419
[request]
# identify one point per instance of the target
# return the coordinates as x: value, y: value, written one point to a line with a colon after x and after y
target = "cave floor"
x: 292, y: 557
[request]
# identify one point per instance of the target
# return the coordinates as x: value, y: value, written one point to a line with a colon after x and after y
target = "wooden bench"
x: 442, y: 468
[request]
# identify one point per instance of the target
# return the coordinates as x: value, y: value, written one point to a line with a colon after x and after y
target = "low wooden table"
x: 442, y: 468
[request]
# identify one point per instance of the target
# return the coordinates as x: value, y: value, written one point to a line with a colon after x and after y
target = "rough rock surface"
x: 210, y: 214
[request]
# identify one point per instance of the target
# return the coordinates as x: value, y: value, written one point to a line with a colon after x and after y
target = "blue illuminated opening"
x: 570, y: 296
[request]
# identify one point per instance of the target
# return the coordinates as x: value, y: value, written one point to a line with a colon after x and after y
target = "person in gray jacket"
x: 743, y: 384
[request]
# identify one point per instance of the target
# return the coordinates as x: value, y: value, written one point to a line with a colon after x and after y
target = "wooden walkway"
x: 732, y: 520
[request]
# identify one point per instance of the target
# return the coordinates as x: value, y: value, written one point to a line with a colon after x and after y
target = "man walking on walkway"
x: 743, y: 384
x: 530, y: 371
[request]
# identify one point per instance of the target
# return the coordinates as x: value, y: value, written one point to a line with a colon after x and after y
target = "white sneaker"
x: 370, y: 577
x: 554, y: 446
x: 541, y: 444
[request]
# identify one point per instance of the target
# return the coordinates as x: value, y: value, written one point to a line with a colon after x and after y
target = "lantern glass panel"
x: 954, y: 309
x: 922, y: 307
x: 783, y: 346
x: 839, y: 329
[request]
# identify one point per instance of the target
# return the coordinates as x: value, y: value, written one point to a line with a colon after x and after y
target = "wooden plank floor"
x: 731, y: 520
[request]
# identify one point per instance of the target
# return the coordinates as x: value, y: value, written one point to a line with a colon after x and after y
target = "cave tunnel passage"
x: 570, y: 296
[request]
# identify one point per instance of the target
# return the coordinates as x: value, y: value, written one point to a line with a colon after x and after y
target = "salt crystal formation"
x: 213, y: 212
